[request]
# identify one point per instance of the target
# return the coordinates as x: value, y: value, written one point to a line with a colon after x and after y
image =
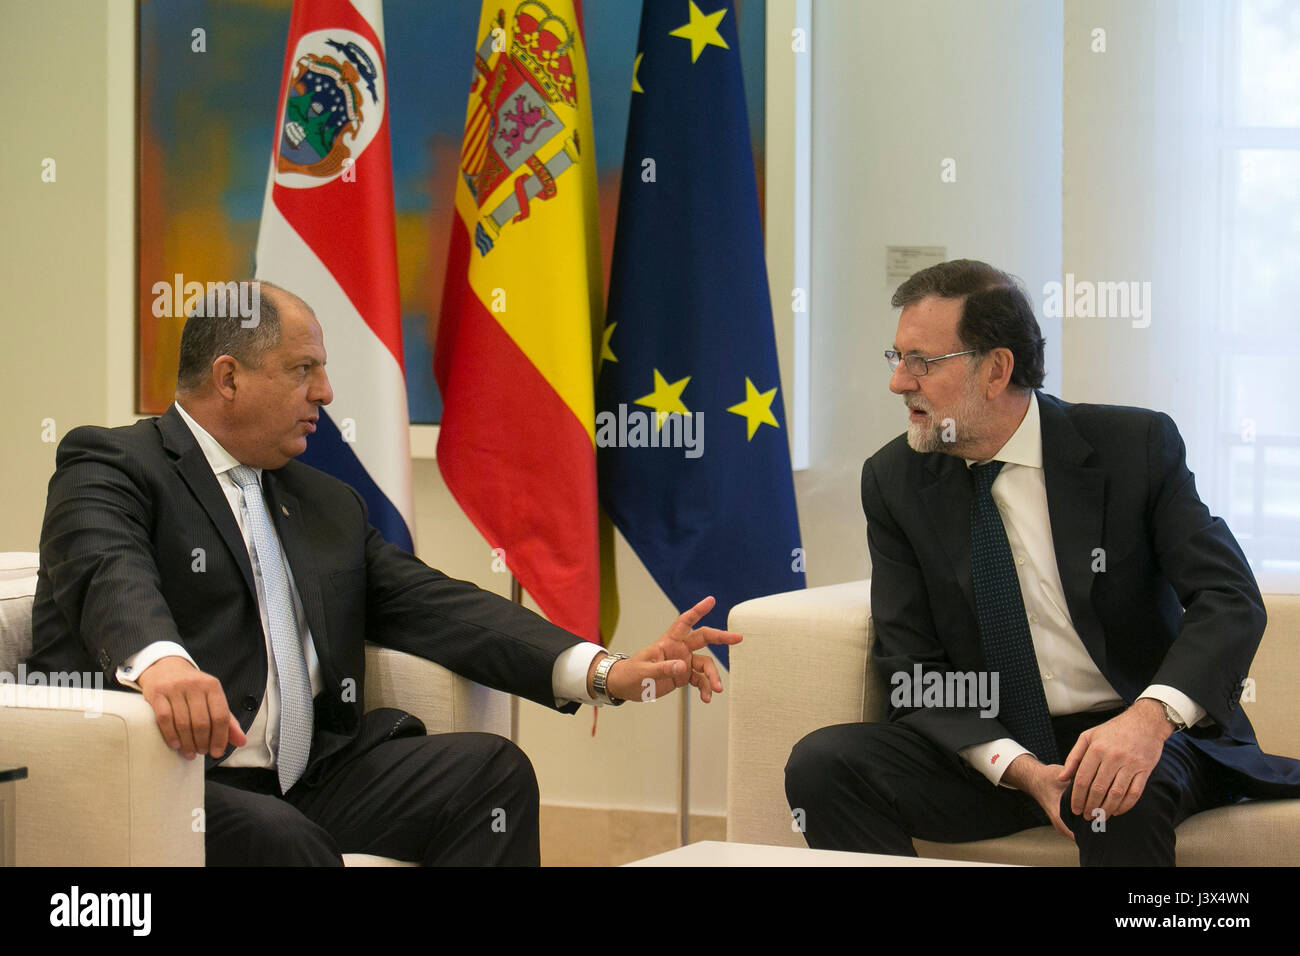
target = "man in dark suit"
x: 189, y: 557
x: 1057, y: 556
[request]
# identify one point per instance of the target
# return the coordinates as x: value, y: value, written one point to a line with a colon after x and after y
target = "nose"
x: 902, y: 380
x: 322, y: 392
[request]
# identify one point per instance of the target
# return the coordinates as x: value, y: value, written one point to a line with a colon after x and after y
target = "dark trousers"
x: 443, y: 800
x: 873, y: 787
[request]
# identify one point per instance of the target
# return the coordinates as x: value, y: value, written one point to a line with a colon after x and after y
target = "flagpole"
x: 684, y: 769
x: 516, y: 595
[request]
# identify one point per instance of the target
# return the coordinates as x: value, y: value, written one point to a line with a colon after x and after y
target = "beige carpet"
x: 586, y: 836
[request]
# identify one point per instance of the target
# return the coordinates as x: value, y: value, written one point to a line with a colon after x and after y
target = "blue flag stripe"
x: 328, y: 451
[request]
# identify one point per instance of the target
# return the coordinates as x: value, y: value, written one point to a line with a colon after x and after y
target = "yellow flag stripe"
x: 541, y: 279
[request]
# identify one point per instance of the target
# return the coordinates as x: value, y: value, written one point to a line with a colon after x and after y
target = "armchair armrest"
x: 102, y: 787
x: 804, y: 664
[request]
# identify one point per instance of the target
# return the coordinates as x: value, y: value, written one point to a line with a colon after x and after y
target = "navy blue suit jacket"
x: 1177, y: 603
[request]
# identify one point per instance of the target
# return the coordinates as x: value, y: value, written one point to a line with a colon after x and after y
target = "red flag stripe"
x: 510, y: 448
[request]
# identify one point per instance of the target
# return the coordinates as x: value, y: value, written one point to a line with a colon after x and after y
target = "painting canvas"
x: 209, y: 75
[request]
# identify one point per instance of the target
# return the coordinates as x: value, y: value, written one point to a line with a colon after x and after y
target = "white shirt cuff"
x: 140, y: 661
x: 569, y: 675
x: 993, y: 758
x: 1186, y: 708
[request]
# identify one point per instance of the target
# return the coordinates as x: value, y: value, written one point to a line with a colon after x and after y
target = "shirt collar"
x: 1025, y: 446
x: 218, y: 458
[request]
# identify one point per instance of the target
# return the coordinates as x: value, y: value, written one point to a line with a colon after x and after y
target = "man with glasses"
x: 1062, y: 550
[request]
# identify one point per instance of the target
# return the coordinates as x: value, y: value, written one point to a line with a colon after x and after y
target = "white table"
x: 714, y: 853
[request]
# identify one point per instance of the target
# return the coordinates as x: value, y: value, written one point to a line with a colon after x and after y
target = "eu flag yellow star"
x: 666, y: 398
x: 702, y: 31
x: 607, y: 353
x: 756, y: 408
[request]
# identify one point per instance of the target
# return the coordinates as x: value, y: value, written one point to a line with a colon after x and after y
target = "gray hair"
x: 996, y: 313
x: 212, y: 332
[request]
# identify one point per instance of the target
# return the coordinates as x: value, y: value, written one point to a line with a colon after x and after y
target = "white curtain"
x: 1181, y: 165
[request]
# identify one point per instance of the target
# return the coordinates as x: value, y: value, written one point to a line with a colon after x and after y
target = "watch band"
x: 599, y: 682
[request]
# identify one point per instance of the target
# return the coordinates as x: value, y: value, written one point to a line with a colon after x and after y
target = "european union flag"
x: 693, y: 455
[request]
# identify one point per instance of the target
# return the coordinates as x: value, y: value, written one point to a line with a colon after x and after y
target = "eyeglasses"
x: 916, y: 364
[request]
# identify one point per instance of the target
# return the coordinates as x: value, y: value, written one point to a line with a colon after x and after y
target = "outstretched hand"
x: 671, y: 661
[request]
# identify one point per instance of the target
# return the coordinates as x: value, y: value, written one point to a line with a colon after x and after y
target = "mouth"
x: 310, y: 423
x: 916, y: 415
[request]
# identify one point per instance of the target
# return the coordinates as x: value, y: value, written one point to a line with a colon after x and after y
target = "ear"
x: 223, y: 376
x: 1001, y: 363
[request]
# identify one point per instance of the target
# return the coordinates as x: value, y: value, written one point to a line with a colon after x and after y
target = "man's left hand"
x: 1111, y: 762
x: 670, y: 662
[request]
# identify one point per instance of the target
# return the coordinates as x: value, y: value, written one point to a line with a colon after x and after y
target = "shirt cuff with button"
x: 993, y: 758
x: 1186, y: 708
x: 140, y: 661
x: 569, y: 675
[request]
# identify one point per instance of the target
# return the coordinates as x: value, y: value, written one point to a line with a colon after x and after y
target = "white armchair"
x: 103, y: 789
x: 805, y: 664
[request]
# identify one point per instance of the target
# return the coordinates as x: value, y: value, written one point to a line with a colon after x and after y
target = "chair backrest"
x: 1268, y: 698
x: 17, y: 591
x: 1275, y: 678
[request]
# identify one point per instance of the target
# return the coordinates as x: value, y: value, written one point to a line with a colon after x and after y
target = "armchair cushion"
x: 17, y: 590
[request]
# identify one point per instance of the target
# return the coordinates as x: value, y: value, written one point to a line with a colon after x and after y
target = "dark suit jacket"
x: 1176, y: 604
x: 139, y: 545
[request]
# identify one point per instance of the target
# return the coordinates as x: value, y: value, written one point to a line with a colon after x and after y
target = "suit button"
x: 105, y: 662
x: 250, y: 703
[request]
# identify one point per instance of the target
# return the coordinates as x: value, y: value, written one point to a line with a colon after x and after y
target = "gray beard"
x: 924, y: 437
x: 927, y: 437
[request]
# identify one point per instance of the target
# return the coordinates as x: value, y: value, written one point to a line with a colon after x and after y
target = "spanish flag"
x: 518, y: 332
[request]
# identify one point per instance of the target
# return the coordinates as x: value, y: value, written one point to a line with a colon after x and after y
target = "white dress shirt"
x: 1072, y: 683
x: 568, y: 676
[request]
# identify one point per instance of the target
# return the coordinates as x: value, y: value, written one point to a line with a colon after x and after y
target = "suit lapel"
x: 947, y: 500
x: 197, y: 474
x: 287, y: 515
x: 1076, y: 500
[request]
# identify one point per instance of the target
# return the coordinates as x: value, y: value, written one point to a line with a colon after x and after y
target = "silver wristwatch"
x: 1171, y: 715
x: 599, y: 683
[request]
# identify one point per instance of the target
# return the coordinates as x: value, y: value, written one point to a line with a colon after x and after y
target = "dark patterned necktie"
x: 1004, y: 627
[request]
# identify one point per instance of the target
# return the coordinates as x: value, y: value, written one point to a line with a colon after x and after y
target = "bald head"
x: 210, y: 333
x: 257, y: 390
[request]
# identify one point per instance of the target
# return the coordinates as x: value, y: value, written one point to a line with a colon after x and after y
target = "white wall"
x: 52, y: 246
x: 898, y: 88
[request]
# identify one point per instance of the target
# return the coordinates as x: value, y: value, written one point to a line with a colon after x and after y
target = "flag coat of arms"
x: 328, y: 235
x: 515, y: 353
x: 693, y: 450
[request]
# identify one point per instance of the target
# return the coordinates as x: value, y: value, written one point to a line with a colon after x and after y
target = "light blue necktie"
x: 290, y: 664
